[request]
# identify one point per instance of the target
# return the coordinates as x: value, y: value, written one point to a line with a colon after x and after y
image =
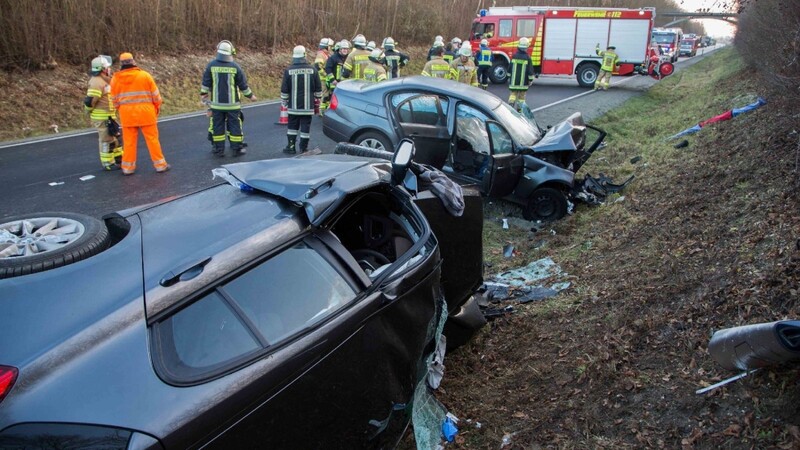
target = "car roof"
x: 431, y: 84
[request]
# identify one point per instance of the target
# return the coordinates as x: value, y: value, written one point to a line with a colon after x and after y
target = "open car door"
x: 505, y: 166
x: 422, y: 118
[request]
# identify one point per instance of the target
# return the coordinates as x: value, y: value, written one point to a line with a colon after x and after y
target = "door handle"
x: 184, y: 273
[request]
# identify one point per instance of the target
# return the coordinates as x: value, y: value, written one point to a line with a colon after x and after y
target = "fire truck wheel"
x: 499, y: 73
x: 587, y: 75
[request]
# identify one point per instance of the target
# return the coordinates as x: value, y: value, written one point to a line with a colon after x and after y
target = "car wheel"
x: 587, y: 75
x: 373, y: 139
x: 499, y: 72
x: 31, y: 244
x: 546, y: 205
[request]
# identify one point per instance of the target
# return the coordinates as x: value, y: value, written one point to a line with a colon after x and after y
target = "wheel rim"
x: 36, y: 236
x: 499, y: 72
x: 544, y: 206
x: 589, y: 76
x: 372, y: 143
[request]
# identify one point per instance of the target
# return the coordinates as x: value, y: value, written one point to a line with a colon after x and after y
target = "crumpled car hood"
x: 562, y: 136
x: 318, y: 183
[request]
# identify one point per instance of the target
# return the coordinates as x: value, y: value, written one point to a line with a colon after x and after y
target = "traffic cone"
x: 284, y: 118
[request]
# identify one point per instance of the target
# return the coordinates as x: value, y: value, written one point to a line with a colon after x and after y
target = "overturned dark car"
x: 474, y: 137
x: 294, y: 306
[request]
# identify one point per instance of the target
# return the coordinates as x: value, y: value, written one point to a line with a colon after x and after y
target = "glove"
x: 253, y: 98
x: 316, y: 106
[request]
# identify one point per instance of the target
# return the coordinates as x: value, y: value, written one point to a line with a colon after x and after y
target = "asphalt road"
x: 62, y: 172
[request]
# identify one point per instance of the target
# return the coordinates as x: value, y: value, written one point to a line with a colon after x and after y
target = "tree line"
x: 36, y: 32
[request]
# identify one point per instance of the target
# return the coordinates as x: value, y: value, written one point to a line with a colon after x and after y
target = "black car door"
x: 423, y: 118
x: 505, y: 166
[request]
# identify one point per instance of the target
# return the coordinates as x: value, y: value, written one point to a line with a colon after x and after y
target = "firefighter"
x: 102, y: 114
x: 609, y: 63
x: 320, y: 60
x: 437, y: 67
x: 223, y: 80
x: 357, y: 60
x: 394, y: 60
x: 333, y: 68
x: 375, y: 71
x: 370, y: 46
x: 449, y: 53
x: 438, y: 41
x: 484, y: 58
x: 463, y: 69
x: 301, y: 92
x: 136, y: 97
x: 456, y: 42
x: 521, y: 73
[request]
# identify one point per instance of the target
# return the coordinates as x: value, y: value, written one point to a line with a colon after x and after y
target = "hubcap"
x: 35, y: 236
x: 372, y: 143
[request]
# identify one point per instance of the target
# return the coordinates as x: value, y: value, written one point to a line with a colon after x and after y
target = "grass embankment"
x: 50, y: 101
x: 705, y: 238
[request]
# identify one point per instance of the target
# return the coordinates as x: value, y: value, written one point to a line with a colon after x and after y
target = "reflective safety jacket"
x: 449, y: 56
x: 394, y: 61
x: 100, y: 89
x: 223, y: 80
x: 355, y: 64
x: 319, y: 63
x: 333, y: 67
x: 483, y: 56
x: 375, y: 72
x: 521, y: 71
x: 610, y: 59
x: 300, y: 87
x: 136, y: 97
x: 437, y: 68
x: 464, y: 72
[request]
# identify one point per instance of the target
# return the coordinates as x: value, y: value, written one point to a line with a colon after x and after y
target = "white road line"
x: 590, y: 91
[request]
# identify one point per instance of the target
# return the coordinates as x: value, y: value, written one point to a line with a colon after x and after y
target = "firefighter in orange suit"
x: 138, y: 102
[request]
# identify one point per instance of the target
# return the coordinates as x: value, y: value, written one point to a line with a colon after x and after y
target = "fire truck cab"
x: 563, y: 39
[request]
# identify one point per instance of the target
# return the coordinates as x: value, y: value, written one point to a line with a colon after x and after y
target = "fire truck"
x: 563, y: 39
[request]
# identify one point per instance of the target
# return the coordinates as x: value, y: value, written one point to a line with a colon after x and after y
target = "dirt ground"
x: 708, y: 241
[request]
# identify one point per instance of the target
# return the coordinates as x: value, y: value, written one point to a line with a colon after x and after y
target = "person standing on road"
x: 320, y: 60
x: 375, y: 71
x: 521, y: 73
x: 463, y: 69
x: 438, y: 41
x: 136, y: 97
x: 609, y: 63
x: 394, y: 59
x: 357, y: 60
x: 301, y: 92
x: 333, y: 68
x: 101, y: 111
x: 223, y: 80
x: 484, y: 58
x: 437, y: 67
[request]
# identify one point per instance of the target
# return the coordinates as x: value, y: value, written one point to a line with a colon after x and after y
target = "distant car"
x: 470, y: 134
x: 297, y: 315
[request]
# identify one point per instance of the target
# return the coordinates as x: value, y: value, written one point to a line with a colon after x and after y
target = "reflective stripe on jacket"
x: 521, y: 71
x: 223, y: 80
x: 136, y: 97
x: 394, y: 61
x: 374, y: 72
x: 464, y: 72
x: 100, y: 89
x: 300, y: 87
x: 610, y: 60
x: 483, y: 56
x: 436, y: 68
x: 355, y: 64
x: 333, y: 67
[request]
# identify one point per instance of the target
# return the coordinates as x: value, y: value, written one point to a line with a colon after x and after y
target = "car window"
x: 290, y: 292
x: 470, y: 127
x: 422, y: 110
x: 505, y: 28
x: 501, y: 140
x: 523, y: 130
x: 526, y: 27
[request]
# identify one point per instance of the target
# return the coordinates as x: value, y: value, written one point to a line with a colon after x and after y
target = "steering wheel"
x: 369, y: 259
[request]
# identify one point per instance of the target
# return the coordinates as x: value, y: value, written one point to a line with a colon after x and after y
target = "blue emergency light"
x: 484, y: 12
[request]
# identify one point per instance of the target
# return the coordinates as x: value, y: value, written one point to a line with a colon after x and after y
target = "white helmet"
x: 359, y: 41
x: 388, y: 43
x: 370, y: 45
x: 376, y: 54
x: 344, y: 45
x: 325, y: 43
x: 438, y: 39
x: 299, y: 52
x: 225, y: 48
x: 524, y: 42
x: 101, y: 63
x: 456, y: 41
x: 484, y: 42
x: 465, y: 51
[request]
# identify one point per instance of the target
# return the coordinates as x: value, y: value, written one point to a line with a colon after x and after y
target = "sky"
x: 714, y: 27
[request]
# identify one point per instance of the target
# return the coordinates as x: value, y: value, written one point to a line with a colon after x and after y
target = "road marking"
x: 590, y: 91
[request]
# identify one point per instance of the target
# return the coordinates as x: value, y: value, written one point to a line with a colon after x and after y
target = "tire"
x: 499, y: 72
x: 74, y: 237
x: 546, y: 205
x: 374, y: 139
x: 587, y: 75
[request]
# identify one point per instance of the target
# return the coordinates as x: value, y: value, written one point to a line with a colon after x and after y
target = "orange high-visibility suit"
x: 138, y: 101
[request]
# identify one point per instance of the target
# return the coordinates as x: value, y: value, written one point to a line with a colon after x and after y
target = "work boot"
x: 241, y: 150
x: 219, y: 150
x: 290, y: 146
x: 303, y: 145
x: 163, y: 169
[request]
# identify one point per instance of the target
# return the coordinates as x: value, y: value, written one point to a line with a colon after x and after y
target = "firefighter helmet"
x: 438, y: 39
x: 388, y: 43
x: 101, y: 63
x: 376, y: 55
x: 225, y: 50
x: 524, y: 43
x: 465, y: 51
x: 484, y: 42
x: 299, y: 52
x: 456, y: 41
x: 359, y: 41
x: 325, y: 43
x: 611, y: 47
x: 344, y: 45
x: 370, y: 45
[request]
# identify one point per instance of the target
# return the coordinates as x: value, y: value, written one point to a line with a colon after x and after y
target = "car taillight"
x: 8, y: 375
x: 334, y: 102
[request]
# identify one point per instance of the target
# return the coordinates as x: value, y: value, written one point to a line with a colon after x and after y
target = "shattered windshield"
x: 524, y: 131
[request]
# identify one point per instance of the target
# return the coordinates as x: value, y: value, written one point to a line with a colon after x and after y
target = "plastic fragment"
x: 233, y: 181
x: 449, y: 429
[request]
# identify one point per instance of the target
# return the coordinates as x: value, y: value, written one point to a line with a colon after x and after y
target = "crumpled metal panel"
x: 752, y: 346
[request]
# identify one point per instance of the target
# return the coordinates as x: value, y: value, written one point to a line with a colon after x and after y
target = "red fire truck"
x: 563, y: 39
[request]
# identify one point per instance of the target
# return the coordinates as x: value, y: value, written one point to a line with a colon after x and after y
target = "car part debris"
x: 636, y: 159
x: 759, y: 345
x: 728, y: 115
x: 508, y: 250
x: 723, y: 382
x: 682, y: 144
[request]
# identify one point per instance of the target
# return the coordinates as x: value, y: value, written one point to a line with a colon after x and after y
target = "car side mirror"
x: 402, y: 160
